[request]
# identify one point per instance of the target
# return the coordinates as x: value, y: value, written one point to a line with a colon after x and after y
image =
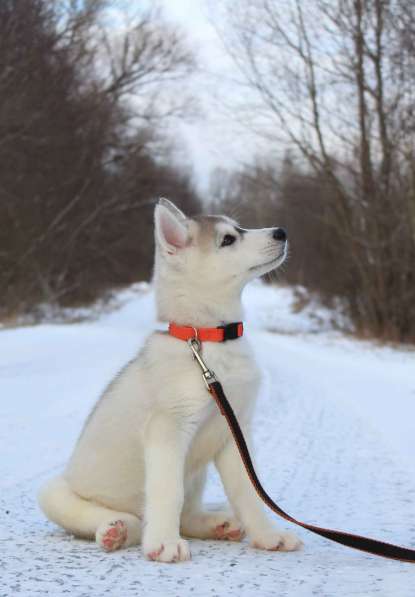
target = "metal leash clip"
x: 196, y: 348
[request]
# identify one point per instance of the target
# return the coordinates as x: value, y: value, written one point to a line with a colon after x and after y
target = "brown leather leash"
x: 373, y: 546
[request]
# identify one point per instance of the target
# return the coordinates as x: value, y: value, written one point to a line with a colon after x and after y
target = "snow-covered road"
x: 335, y: 438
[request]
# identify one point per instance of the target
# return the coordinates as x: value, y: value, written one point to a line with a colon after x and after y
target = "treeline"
x: 84, y: 98
x: 332, y: 84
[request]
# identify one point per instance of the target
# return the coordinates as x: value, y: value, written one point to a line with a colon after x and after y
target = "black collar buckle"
x: 232, y: 331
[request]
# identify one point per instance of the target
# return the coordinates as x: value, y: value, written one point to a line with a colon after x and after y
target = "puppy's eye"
x: 228, y: 239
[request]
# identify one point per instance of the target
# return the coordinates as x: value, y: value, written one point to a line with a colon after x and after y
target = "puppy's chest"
x: 235, y: 369
x: 239, y: 376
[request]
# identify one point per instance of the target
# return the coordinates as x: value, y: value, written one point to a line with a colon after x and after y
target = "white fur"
x: 143, y: 453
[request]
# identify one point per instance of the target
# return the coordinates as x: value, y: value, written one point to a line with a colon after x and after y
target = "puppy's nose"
x: 279, y: 234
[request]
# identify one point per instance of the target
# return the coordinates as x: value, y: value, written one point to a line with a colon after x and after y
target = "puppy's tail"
x: 67, y: 509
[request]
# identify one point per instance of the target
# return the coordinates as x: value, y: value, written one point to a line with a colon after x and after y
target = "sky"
x: 215, y: 140
x: 211, y: 140
x: 207, y: 138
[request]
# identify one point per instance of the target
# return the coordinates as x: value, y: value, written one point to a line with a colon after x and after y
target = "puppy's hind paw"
x: 229, y: 532
x: 111, y: 536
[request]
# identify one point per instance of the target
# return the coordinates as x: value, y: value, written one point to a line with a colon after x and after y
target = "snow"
x: 334, y: 436
x: 291, y: 311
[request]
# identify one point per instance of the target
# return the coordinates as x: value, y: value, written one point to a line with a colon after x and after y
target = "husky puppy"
x: 138, y: 470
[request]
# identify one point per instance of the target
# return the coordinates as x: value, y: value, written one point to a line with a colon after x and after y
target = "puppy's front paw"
x: 167, y: 551
x: 276, y: 541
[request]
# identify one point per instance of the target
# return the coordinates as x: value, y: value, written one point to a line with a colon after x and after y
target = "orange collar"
x: 231, y: 331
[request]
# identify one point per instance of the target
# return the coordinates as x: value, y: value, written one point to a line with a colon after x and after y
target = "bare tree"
x: 334, y: 82
x: 77, y: 137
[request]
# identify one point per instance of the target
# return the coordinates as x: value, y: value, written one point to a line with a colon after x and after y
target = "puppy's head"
x: 214, y: 248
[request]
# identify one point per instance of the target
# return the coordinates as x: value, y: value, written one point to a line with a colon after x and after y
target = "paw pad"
x: 224, y: 532
x: 114, y: 536
x: 153, y: 555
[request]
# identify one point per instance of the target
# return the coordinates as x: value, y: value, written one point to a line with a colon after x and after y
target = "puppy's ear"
x: 172, y: 208
x: 171, y: 230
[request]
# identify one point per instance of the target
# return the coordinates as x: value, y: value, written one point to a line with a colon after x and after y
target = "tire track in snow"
x: 330, y: 468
